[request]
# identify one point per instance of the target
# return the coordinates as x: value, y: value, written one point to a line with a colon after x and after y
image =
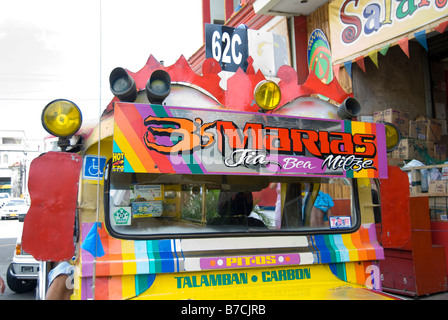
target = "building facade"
x: 390, y: 55
x: 16, y: 154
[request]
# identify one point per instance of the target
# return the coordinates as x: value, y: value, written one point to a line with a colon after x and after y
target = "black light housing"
x: 349, y: 108
x: 158, y: 86
x: 122, y: 85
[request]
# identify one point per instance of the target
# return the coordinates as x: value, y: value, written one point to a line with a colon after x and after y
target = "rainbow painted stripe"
x: 372, y: 128
x: 129, y: 268
x: 129, y: 144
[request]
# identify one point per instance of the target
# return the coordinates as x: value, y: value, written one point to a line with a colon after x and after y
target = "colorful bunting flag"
x: 348, y: 67
x: 421, y: 38
x: 336, y: 69
x: 374, y: 57
x: 441, y: 27
x: 360, y: 62
x: 384, y: 49
x: 404, y: 45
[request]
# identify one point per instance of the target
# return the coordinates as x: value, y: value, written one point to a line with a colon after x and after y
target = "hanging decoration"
x: 374, y: 57
x: 336, y: 69
x: 404, y: 45
x: 420, y: 36
x: 441, y: 27
x: 384, y: 49
x: 360, y: 62
x: 348, y: 67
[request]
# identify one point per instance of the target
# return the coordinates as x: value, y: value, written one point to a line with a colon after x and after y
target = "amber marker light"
x: 267, y: 95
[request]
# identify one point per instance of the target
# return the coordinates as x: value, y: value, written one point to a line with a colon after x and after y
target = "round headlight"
x: 267, y: 95
x: 61, y: 118
x: 393, y: 136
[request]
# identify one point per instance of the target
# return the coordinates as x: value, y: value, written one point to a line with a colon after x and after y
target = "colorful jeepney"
x: 186, y: 190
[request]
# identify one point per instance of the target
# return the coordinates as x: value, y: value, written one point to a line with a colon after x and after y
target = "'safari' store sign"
x: 357, y: 25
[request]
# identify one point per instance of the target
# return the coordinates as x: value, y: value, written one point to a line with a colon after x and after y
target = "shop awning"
x: 287, y: 7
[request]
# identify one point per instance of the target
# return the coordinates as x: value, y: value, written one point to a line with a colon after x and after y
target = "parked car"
x: 22, y: 273
x: 4, y: 198
x: 16, y: 208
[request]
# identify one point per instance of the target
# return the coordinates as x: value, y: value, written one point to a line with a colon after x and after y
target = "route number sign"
x: 228, y: 46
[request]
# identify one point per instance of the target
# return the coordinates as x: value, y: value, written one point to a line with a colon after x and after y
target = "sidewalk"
x: 434, y: 296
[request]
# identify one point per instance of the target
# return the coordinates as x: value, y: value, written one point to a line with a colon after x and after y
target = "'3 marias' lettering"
x: 189, y: 135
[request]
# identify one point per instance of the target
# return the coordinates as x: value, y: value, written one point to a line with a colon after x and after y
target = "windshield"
x: 183, y: 172
x: 145, y: 205
x: 15, y: 203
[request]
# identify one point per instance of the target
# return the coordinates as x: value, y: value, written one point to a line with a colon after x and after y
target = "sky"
x: 66, y: 49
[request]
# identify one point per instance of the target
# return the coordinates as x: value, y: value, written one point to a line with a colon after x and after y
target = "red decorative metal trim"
x: 240, y: 87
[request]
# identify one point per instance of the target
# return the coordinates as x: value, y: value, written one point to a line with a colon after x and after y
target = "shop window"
x: 12, y: 141
x: 217, y: 12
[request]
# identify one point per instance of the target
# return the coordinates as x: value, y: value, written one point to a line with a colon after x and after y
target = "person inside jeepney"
x: 321, y: 210
x: 234, y: 208
x: 292, y: 208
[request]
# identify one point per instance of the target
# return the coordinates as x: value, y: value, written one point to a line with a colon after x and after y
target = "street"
x: 8, y: 235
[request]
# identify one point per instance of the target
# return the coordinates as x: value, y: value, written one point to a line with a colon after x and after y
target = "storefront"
x: 389, y: 54
x: 393, y: 57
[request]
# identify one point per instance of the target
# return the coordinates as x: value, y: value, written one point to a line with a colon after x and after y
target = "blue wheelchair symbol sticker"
x: 92, y: 169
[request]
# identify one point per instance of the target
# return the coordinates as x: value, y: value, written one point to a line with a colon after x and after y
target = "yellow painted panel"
x: 293, y: 282
x: 129, y: 260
